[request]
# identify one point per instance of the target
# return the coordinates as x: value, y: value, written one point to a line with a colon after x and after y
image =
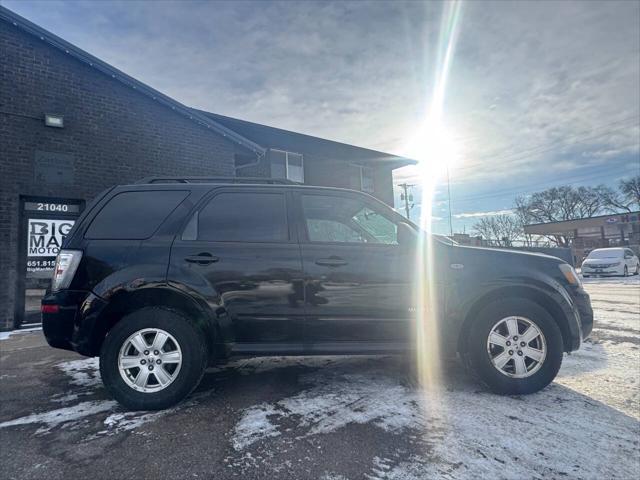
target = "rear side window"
x: 244, y: 217
x: 134, y: 215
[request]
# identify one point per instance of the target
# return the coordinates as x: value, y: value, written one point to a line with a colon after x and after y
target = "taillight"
x: 66, y: 265
x: 48, y: 308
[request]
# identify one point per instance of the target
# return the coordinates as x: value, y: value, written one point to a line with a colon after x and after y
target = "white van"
x: 611, y: 261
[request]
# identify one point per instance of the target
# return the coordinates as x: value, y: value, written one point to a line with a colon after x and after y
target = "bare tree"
x: 524, y: 218
x: 630, y: 191
x: 558, y: 204
x: 626, y: 198
x: 499, y: 229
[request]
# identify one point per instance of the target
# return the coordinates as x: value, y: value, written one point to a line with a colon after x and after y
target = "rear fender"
x: 103, y: 315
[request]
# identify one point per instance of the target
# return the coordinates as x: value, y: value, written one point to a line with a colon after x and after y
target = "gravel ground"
x: 332, y: 418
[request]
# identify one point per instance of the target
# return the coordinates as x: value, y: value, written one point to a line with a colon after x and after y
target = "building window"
x: 363, y: 179
x: 366, y: 180
x: 287, y: 165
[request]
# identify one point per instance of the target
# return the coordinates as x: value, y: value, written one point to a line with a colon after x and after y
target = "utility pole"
x: 407, y: 197
x: 449, y: 195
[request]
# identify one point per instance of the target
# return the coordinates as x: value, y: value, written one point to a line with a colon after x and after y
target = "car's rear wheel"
x: 152, y: 359
x: 514, y: 347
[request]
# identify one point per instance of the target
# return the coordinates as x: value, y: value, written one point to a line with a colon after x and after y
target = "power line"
x: 595, y: 173
x: 540, y: 149
x: 556, y: 182
x: 549, y: 184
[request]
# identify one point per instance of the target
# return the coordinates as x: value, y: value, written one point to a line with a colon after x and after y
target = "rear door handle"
x: 331, y: 262
x: 202, y: 258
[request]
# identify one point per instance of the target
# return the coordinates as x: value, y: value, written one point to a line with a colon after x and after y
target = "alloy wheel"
x: 516, y: 347
x: 150, y: 360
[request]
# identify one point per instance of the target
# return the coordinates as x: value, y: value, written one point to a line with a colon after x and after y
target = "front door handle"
x: 203, y: 258
x: 331, y: 262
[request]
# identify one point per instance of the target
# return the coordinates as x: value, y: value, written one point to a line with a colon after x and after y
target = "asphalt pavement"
x: 331, y: 418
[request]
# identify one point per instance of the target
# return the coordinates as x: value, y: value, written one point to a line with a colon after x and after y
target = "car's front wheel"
x: 152, y: 359
x: 514, y: 346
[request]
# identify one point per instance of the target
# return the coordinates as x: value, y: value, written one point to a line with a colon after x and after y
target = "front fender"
x: 464, y: 301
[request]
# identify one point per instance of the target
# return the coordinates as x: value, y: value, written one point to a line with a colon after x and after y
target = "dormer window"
x: 287, y: 165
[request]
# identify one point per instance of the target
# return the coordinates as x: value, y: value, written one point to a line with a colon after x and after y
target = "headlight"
x: 570, y: 274
x: 67, y: 263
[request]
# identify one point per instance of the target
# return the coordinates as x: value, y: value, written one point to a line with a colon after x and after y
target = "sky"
x: 537, y: 94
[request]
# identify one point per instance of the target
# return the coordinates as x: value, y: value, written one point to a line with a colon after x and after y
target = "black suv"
x: 162, y: 278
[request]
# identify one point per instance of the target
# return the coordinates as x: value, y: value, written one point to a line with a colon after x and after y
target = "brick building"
x: 71, y: 125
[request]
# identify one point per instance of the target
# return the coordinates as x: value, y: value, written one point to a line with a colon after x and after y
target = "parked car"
x: 162, y: 279
x: 611, y: 261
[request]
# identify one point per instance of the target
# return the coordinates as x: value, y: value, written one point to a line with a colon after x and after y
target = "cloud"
x: 483, y: 214
x: 535, y: 87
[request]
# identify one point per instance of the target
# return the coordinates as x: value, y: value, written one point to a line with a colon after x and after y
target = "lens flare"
x: 434, y: 148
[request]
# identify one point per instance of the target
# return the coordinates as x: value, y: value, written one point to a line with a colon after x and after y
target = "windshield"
x: 600, y: 254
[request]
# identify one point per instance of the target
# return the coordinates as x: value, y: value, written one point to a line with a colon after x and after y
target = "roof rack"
x: 260, y: 180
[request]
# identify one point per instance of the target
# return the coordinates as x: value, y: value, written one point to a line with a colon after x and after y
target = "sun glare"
x: 434, y: 147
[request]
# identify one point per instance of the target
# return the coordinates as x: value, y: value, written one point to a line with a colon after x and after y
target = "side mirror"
x: 407, y: 236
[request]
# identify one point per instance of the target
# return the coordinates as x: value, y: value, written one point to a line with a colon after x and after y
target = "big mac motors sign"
x: 44, y: 240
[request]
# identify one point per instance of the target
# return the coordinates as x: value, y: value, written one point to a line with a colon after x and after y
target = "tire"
x: 625, y: 273
x: 183, y: 341
x: 539, y: 374
x: 637, y: 269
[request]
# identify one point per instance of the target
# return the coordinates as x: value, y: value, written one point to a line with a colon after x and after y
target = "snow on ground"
x: 66, y: 415
x: 6, y: 335
x: 84, y: 377
x: 82, y: 373
x: 332, y: 399
x: 607, y: 367
x: 585, y: 425
x: 630, y: 280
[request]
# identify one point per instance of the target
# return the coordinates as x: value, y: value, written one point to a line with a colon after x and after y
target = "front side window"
x: 287, y: 165
x: 244, y: 217
x: 346, y: 220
